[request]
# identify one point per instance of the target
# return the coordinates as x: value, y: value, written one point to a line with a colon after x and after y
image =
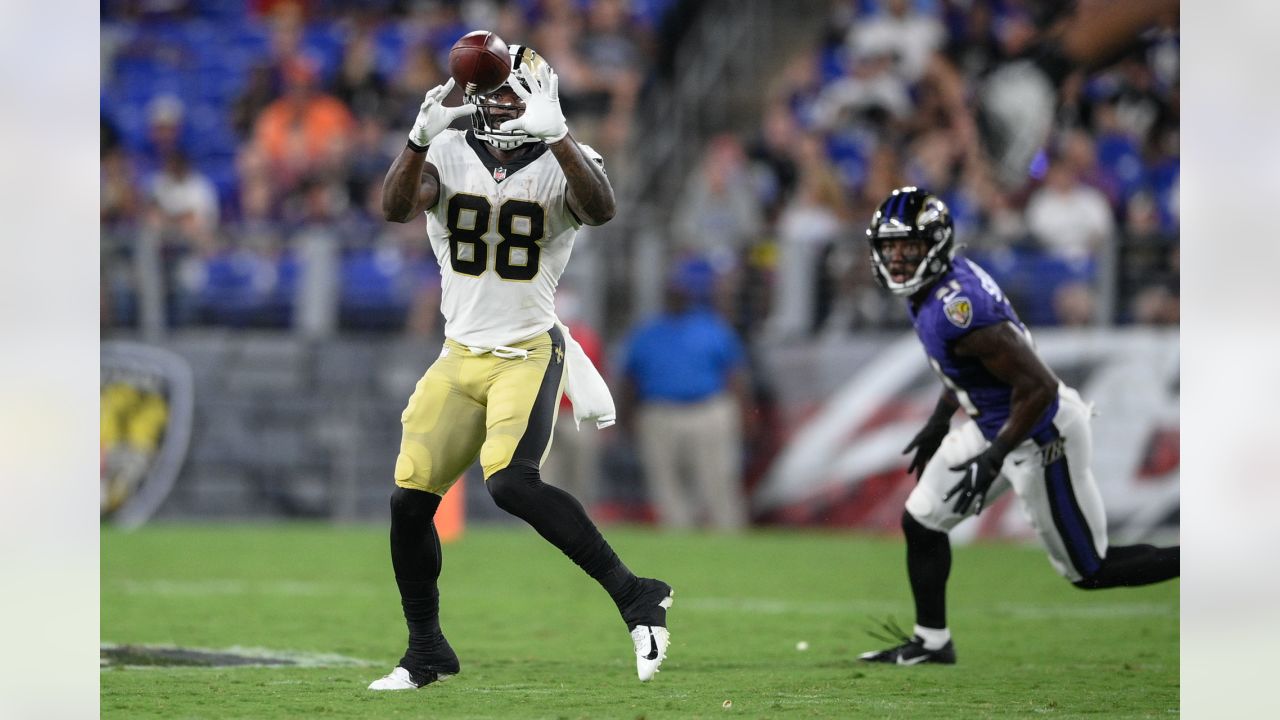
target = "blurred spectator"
x: 806, y: 230
x: 509, y: 21
x: 1068, y: 218
x: 108, y: 136
x: 872, y: 87
x: 286, y: 22
x: 318, y: 246
x: 719, y: 215
x: 1157, y: 305
x: 1149, y: 265
x: 435, y: 24
x: 184, y: 202
x: 418, y: 73
x: 608, y: 49
x: 1162, y: 173
x: 685, y: 376
x: 1080, y: 153
x: 607, y: 44
x: 359, y: 83
x: 118, y: 188
x: 933, y: 161
x: 773, y: 167
x: 371, y: 155
x: 800, y: 84
x: 305, y: 131
x: 182, y: 221
x: 1073, y: 304
x: 976, y: 45
x: 1003, y: 222
x: 884, y: 173
x: 166, y: 131
x: 1119, y: 154
x: 582, y: 91
x: 260, y: 90
x: 423, y: 319
x: 409, y: 269
x: 1137, y: 104
x: 899, y: 30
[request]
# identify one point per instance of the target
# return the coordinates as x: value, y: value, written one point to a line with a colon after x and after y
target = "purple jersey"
x: 963, y: 300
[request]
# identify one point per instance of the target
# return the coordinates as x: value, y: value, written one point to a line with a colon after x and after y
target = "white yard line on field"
x: 207, y: 588
x: 775, y: 606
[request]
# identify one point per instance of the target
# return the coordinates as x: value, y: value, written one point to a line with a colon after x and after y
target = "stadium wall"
x: 282, y: 427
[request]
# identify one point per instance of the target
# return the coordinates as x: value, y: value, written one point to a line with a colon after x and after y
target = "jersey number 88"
x: 520, y: 225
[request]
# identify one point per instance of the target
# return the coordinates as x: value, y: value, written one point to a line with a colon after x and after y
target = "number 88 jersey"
x: 502, y: 235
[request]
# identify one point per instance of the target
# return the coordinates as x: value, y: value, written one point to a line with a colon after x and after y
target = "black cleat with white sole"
x: 913, y: 652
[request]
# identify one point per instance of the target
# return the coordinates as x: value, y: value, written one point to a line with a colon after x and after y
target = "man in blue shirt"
x: 1026, y: 429
x: 685, y: 372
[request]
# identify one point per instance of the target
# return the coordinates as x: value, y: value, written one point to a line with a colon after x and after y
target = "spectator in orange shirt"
x: 305, y: 131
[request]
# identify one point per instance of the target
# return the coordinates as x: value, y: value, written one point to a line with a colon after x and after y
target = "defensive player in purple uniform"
x: 1026, y: 429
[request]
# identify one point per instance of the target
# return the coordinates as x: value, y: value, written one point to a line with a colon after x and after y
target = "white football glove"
x: 433, y: 117
x: 542, y: 116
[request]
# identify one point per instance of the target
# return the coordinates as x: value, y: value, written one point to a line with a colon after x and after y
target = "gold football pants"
x: 502, y: 409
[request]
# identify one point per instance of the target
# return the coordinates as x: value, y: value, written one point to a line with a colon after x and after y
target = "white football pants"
x: 1052, y: 478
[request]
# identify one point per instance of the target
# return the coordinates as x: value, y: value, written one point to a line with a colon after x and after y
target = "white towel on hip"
x: 585, y: 387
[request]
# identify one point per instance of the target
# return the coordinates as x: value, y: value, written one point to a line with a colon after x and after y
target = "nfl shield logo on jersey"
x: 959, y: 311
x: 499, y: 174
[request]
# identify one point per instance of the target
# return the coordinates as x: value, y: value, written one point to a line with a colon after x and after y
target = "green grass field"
x: 538, y: 639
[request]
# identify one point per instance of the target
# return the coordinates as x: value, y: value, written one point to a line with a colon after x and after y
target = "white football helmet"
x: 485, y: 127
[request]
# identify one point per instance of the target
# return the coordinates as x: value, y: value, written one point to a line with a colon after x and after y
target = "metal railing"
x: 721, y: 68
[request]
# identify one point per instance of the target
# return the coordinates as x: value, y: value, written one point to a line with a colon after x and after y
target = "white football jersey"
x: 502, y: 235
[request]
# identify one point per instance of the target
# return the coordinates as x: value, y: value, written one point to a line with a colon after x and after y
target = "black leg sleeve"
x: 416, y: 559
x: 928, y: 567
x: 560, y: 518
x: 1131, y: 565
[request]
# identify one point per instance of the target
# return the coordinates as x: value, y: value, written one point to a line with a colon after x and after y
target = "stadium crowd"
x: 887, y: 97
x: 251, y: 139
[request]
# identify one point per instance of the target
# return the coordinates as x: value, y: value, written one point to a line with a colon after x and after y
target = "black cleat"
x: 416, y: 671
x: 909, y: 650
x: 649, y: 606
x: 912, y: 652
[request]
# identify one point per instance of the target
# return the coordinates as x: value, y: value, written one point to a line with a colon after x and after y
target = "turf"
x: 538, y: 639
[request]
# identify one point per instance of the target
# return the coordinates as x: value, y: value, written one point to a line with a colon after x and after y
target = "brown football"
x: 479, y: 62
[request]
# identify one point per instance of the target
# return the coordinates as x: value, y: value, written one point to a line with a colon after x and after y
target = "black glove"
x: 979, y: 472
x: 926, y: 443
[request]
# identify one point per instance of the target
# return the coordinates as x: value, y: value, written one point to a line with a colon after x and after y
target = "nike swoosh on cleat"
x: 653, y: 648
x: 913, y: 661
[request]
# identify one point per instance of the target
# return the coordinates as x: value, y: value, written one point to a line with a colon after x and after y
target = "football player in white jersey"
x: 503, y: 201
